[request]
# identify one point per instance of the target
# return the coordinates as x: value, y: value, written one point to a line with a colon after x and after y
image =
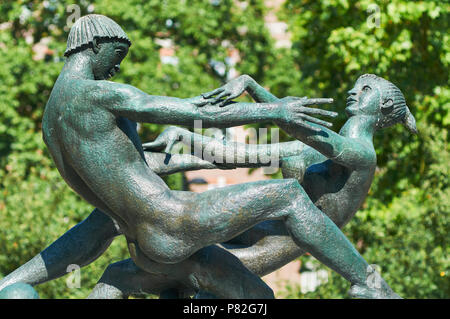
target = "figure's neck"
x: 359, y: 126
x: 79, y: 65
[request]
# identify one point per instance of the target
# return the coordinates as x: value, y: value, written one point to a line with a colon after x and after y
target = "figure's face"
x: 364, y: 98
x: 106, y: 61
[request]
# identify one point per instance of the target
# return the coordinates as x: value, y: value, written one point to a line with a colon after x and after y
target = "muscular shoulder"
x: 108, y: 93
x: 101, y: 92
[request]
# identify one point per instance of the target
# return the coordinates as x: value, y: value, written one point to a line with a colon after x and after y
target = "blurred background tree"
x: 402, y: 227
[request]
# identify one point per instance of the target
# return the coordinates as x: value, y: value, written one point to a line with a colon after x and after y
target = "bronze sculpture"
x: 88, y: 130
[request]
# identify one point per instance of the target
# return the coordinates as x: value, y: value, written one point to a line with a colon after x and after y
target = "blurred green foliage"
x: 402, y: 227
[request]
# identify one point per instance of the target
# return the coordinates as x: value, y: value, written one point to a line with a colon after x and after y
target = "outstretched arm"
x: 223, y: 153
x: 345, y: 151
x: 130, y: 102
x: 349, y: 152
x: 166, y: 164
x: 226, y: 153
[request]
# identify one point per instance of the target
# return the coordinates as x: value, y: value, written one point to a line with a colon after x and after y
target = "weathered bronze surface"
x: 89, y: 126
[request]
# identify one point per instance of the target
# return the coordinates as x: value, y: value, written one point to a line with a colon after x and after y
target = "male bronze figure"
x: 88, y: 129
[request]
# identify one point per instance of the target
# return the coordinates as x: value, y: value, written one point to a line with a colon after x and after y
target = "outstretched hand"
x: 296, y: 112
x: 227, y: 92
x: 166, y: 140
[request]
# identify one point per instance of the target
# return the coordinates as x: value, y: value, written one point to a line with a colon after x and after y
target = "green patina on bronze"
x: 89, y: 126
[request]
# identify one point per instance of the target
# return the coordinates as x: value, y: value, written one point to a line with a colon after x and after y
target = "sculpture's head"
x: 378, y: 98
x: 104, y: 38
